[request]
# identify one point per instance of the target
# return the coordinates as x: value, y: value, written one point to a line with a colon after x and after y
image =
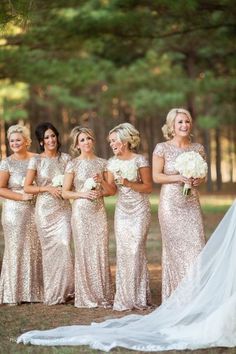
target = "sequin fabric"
x: 132, y: 220
x: 53, y: 216
x: 180, y: 219
x: 21, y: 276
x: 90, y: 234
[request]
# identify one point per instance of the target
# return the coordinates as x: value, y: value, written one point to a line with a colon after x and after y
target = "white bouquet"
x: 57, y: 181
x: 190, y: 165
x: 123, y: 169
x: 89, y: 185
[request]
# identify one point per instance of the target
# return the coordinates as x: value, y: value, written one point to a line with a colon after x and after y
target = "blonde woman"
x: 83, y: 183
x: 129, y: 174
x: 21, y: 276
x: 180, y: 216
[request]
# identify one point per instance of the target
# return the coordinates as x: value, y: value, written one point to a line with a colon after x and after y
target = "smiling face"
x: 85, y: 143
x: 182, y: 125
x: 118, y: 147
x: 17, y: 143
x: 50, y: 140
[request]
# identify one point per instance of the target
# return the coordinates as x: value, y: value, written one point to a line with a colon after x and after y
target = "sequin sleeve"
x: 4, y: 166
x: 159, y: 150
x: 70, y: 167
x: 202, y: 151
x: 32, y: 164
x: 109, y: 164
x: 142, y: 162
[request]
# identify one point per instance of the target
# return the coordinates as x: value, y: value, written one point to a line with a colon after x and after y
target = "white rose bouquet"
x: 89, y: 185
x: 57, y: 181
x: 190, y: 165
x: 123, y: 169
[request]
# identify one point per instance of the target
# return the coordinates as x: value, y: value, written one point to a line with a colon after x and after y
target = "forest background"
x: 98, y: 63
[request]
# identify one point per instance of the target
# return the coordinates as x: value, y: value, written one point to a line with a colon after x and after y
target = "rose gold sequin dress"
x: 180, y: 220
x: 132, y: 220
x: 21, y: 276
x: 90, y: 234
x: 53, y: 224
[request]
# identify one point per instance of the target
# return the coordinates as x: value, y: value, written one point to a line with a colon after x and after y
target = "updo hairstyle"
x: 23, y: 130
x: 168, y: 127
x: 126, y: 132
x: 74, y: 135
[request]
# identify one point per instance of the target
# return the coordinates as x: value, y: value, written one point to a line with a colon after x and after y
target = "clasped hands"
x: 192, y: 182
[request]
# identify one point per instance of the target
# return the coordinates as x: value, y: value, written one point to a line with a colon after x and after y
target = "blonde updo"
x: 74, y: 135
x: 126, y: 132
x: 23, y: 130
x: 168, y: 127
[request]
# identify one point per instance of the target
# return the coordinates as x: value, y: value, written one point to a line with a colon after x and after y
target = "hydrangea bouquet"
x: 190, y: 165
x: 123, y: 169
x: 57, y: 181
x: 89, y: 185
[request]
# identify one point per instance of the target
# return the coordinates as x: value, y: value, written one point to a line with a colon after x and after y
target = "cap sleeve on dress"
x: 202, y: 151
x: 159, y: 150
x: 70, y: 167
x: 142, y: 162
x: 32, y: 163
x: 110, y: 162
x: 4, y: 166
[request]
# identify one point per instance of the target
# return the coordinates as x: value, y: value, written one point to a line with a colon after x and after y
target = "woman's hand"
x: 183, y: 180
x: 197, y: 181
x: 55, y: 191
x: 98, y: 178
x: 91, y: 195
x: 27, y: 196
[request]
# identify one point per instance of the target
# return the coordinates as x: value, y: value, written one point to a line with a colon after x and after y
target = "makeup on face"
x: 85, y: 142
x: 115, y: 143
x: 17, y: 142
x: 182, y: 125
x: 50, y: 140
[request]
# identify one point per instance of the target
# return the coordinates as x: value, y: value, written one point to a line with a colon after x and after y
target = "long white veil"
x: 200, y: 313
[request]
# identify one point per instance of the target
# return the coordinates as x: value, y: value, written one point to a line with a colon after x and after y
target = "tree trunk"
x: 218, y: 160
x: 207, y: 144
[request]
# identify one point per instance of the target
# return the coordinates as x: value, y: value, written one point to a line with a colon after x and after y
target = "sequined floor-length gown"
x: 132, y: 220
x: 180, y: 220
x: 90, y: 234
x: 21, y: 276
x: 53, y: 224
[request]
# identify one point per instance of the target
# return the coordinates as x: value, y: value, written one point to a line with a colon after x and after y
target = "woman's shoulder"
x: 101, y: 161
x: 64, y: 156
x: 4, y: 164
x: 160, y: 148
x: 198, y: 147
x: 141, y: 160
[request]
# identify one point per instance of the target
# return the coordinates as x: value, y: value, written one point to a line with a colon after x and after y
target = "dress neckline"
x: 126, y: 160
x: 178, y: 147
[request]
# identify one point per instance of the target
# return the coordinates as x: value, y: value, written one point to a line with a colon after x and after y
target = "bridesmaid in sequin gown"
x: 129, y: 174
x: 89, y: 222
x: 53, y: 215
x: 21, y: 276
x: 180, y: 216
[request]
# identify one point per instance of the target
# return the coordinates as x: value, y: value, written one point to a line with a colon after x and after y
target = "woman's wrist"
x: 127, y: 183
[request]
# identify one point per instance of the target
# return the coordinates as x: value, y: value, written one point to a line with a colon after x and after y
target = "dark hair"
x: 40, y: 132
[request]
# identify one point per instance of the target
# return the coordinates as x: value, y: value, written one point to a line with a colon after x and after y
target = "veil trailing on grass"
x: 200, y: 313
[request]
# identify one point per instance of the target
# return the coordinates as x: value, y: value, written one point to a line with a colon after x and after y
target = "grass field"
x: 16, y: 320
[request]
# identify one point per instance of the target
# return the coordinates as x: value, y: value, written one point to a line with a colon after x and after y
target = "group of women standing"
x: 39, y: 221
